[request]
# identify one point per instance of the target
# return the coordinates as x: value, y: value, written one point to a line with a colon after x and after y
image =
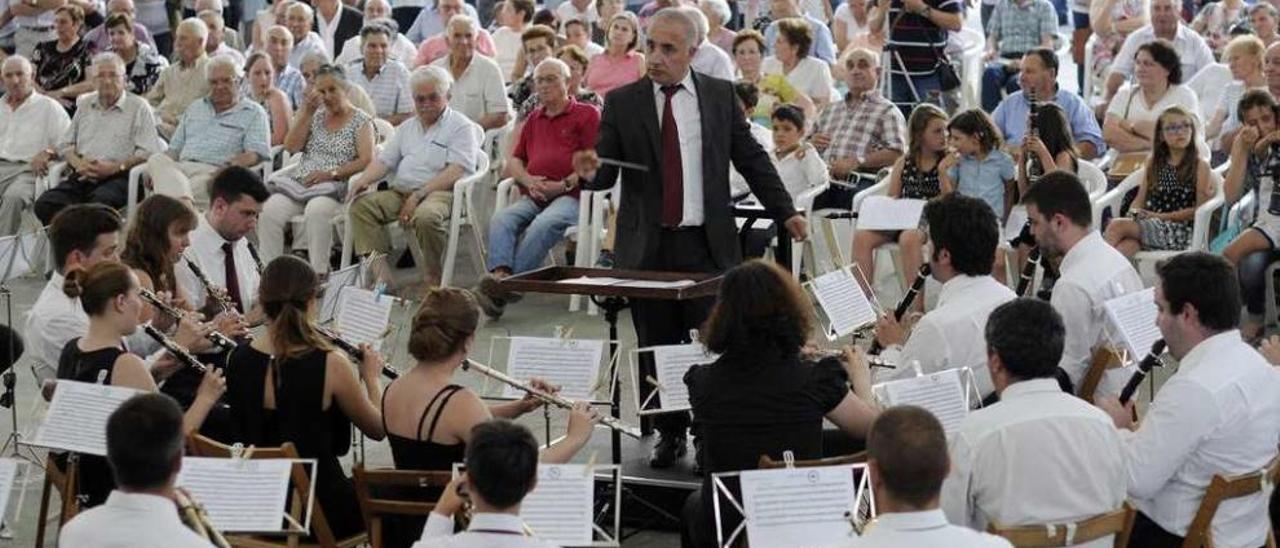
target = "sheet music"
x: 592, y: 280
x: 672, y: 362
x: 363, y: 315
x: 571, y: 364
x: 792, y: 507
x: 656, y: 284
x: 77, y: 417
x: 842, y: 299
x: 558, y: 509
x: 941, y: 393
x: 8, y: 470
x: 1133, y: 318
x: 240, y: 495
x: 887, y: 213
x: 338, y: 279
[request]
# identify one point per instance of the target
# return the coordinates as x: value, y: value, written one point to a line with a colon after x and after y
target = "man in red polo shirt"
x: 521, y: 235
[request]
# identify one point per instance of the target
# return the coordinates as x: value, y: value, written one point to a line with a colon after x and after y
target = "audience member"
x: 508, y: 43
x: 31, y: 126
x: 263, y: 90
x: 578, y: 33
x: 621, y: 63
x: 311, y: 66
x: 97, y: 38
x: 433, y: 19
x: 538, y: 43
x: 1190, y: 52
x: 1215, y: 22
x: 62, y: 64
x: 183, y: 82
x: 288, y: 77
x: 379, y: 11
x: 863, y: 132
x: 1016, y: 27
x: 142, y: 63
x: 386, y: 80
x: 709, y: 59
x: 1038, y: 79
x: 1244, y: 56
x: 978, y: 166
x: 918, y: 35
x: 820, y: 44
x: 719, y: 16
x: 439, y: 45
x: 1111, y: 21
x: 808, y: 75
x: 215, y: 44
x: 1252, y: 168
x: 299, y: 19
x: 851, y: 27
x: 1129, y: 125
x: 336, y: 22
x: 478, y: 89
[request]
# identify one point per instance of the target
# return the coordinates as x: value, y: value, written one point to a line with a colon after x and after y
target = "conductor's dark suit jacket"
x: 630, y: 131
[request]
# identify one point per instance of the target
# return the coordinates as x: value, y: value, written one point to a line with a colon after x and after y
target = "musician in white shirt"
x: 964, y: 234
x: 1092, y: 272
x: 1039, y: 455
x: 1219, y: 414
x: 236, y: 196
x: 502, y: 467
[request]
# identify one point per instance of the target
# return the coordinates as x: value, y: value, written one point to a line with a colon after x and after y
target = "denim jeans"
x: 928, y: 89
x: 995, y: 77
x: 542, y: 228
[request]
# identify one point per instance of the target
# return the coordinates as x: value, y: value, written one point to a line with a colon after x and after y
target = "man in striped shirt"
x: 916, y: 45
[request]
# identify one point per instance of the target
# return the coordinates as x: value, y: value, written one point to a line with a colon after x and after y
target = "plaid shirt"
x: 858, y: 127
x: 389, y: 88
x: 1022, y: 27
x: 290, y: 82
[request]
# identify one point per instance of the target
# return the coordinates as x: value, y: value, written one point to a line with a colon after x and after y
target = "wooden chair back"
x: 65, y: 482
x: 375, y: 507
x: 1221, y: 489
x: 767, y: 462
x: 1103, y: 358
x: 1118, y: 522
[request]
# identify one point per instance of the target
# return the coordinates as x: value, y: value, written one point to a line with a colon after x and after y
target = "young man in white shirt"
x: 1039, y: 455
x: 218, y: 245
x: 1092, y: 272
x: 907, y: 460
x: 144, y: 447
x: 1219, y: 414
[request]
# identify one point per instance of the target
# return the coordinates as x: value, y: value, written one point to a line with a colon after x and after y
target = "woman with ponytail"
x: 291, y: 385
x: 108, y: 292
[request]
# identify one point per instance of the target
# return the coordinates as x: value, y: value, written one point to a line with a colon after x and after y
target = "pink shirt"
x: 435, y: 47
x: 605, y: 73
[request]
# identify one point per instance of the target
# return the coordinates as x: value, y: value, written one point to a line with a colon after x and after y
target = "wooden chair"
x: 1103, y: 359
x: 65, y: 482
x: 766, y: 462
x: 301, y: 490
x: 1118, y: 522
x: 375, y: 508
x: 1221, y: 489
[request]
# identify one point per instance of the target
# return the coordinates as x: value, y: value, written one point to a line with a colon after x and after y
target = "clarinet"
x: 224, y: 300
x: 918, y: 285
x: 353, y: 350
x: 1144, y: 367
x: 218, y: 338
x: 253, y: 252
x: 1028, y: 272
x: 175, y: 349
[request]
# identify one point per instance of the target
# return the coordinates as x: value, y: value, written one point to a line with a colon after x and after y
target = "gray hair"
x: 316, y: 57
x: 224, y: 61
x: 463, y: 19
x: 300, y: 6
x: 561, y: 66
x: 192, y: 24
x: 20, y: 60
x: 108, y: 58
x: 375, y: 27
x: 720, y: 8
x: 392, y: 26
x: 281, y: 31
x: 366, y: 4
x: 434, y: 75
x: 215, y: 5
x: 699, y: 19
x: 678, y: 16
x: 212, y: 19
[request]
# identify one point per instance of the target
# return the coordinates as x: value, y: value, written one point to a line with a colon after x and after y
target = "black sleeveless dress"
x: 300, y: 418
x: 419, y: 453
x: 95, y: 479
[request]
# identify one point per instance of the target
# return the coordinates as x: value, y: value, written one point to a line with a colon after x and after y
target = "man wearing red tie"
x: 677, y: 216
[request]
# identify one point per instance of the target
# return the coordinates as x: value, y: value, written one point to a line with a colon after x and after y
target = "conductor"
x: 676, y: 216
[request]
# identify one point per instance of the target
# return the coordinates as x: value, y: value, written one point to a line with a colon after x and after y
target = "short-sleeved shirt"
x: 1022, y: 26
x: 418, y: 154
x: 547, y: 142
x: 822, y: 47
x: 290, y: 81
x: 916, y: 39
x: 984, y: 179
x: 37, y: 124
x: 860, y: 126
x: 210, y: 137
x: 389, y: 88
x: 122, y: 130
x: 1192, y: 50
x: 810, y: 76
x: 480, y: 90
x: 1011, y: 117
x: 179, y: 86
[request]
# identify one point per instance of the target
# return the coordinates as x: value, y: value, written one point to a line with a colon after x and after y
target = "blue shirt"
x: 291, y: 83
x: 984, y: 179
x: 823, y: 47
x: 1011, y: 117
x: 213, y: 138
x: 428, y: 23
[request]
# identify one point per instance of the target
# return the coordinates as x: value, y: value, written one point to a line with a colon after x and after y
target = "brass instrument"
x: 175, y: 349
x: 216, y: 293
x: 195, y: 517
x: 354, y: 351
x: 218, y: 338
x: 552, y: 399
x: 901, y: 310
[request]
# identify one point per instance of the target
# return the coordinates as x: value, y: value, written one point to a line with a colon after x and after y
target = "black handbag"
x: 947, y: 76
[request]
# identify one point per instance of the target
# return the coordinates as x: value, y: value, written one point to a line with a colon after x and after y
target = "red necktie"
x: 233, y: 279
x: 672, y: 168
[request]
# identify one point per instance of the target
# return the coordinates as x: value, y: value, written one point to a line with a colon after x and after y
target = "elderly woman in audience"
x: 261, y: 74
x: 356, y: 94
x: 791, y: 62
x: 620, y: 64
x: 1244, y: 57
x: 1112, y: 22
x: 142, y: 62
x: 1263, y: 18
x: 62, y: 64
x: 718, y: 15
x: 336, y: 141
x: 1215, y: 21
x: 1129, y: 125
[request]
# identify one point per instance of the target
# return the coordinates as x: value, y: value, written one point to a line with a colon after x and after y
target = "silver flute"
x: 610, y: 421
x: 352, y: 350
x: 218, y: 338
x: 175, y: 349
x: 216, y: 293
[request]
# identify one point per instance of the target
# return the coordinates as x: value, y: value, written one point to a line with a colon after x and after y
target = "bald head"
x: 17, y: 78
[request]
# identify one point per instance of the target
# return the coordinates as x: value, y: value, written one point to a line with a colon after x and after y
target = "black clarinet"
x: 253, y: 252
x: 175, y: 349
x: 218, y: 338
x: 916, y: 287
x: 1144, y: 367
x: 353, y: 351
x: 1028, y: 272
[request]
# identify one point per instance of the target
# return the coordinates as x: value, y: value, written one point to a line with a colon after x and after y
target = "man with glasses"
x: 864, y: 132
x: 480, y: 92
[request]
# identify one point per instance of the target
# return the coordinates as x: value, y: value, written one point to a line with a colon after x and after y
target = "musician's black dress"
x: 419, y: 453
x: 95, y: 481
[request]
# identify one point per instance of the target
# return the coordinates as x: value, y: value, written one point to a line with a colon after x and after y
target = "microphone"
x: 1144, y: 367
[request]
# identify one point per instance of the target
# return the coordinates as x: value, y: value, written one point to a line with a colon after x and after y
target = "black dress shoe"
x: 667, y: 451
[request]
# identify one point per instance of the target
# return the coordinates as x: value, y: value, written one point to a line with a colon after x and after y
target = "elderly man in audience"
x: 231, y: 36
x: 97, y: 36
x: 521, y: 235
x: 1218, y: 415
x: 864, y: 131
x: 478, y: 88
x: 1039, y: 455
x: 822, y: 47
x: 221, y: 129
x: 1039, y: 82
x: 336, y: 23
x: 112, y: 131
x: 386, y: 80
x: 379, y: 11
x: 1166, y: 23
x: 709, y: 59
x: 288, y: 77
x: 428, y: 154
x: 438, y: 46
x: 298, y: 19
x: 216, y: 44
x: 30, y: 126
x: 183, y: 82
x: 1016, y: 27
x: 33, y: 22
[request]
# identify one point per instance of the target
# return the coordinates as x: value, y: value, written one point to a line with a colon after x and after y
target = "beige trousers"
x: 181, y: 179
x: 371, y: 213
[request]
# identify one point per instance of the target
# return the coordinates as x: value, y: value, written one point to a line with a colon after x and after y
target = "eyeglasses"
x: 1178, y: 128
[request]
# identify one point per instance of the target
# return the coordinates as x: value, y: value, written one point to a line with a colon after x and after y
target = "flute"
x: 1028, y: 272
x: 353, y: 350
x: 1144, y: 367
x: 611, y: 422
x: 916, y: 286
x: 224, y: 300
x: 872, y: 361
x: 175, y: 349
x: 218, y: 338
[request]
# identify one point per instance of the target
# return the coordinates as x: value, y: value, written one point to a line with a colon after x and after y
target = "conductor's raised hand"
x: 585, y: 164
x: 798, y: 227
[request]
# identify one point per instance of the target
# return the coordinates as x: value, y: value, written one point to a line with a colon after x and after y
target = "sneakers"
x: 605, y: 260
x: 492, y: 298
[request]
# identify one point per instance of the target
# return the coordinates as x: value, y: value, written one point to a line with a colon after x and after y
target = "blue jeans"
x: 995, y: 78
x: 542, y: 228
x: 928, y: 89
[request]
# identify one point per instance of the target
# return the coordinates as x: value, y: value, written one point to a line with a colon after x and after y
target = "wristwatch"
x: 568, y: 185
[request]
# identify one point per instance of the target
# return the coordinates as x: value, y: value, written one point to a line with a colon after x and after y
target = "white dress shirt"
x: 1092, y: 273
x: 130, y: 520
x: 206, y: 251
x: 328, y: 29
x: 800, y: 174
x: 953, y: 333
x: 1039, y: 455
x: 1218, y: 414
x: 713, y: 61
x: 37, y: 124
x: 53, y: 321
x: 486, y: 531
x: 689, y: 127
x: 738, y: 183
x: 927, y: 529
x: 1193, y: 52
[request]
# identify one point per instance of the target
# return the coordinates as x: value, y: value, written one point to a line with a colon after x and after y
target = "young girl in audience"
x: 978, y: 167
x: 914, y: 176
x: 1175, y: 183
x: 1052, y: 148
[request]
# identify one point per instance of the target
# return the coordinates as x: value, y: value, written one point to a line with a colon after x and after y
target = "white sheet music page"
x: 559, y: 508
x: 842, y: 299
x: 672, y: 362
x: 77, y: 416
x: 1133, y: 318
x: 338, y: 279
x: 239, y: 495
x: 8, y: 470
x: 887, y: 213
x: 363, y: 315
x: 571, y: 364
x: 941, y: 393
x: 794, y: 507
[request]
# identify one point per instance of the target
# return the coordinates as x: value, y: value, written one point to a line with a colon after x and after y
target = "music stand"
x: 10, y: 249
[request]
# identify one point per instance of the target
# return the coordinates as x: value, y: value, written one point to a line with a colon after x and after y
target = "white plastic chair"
x: 804, y: 203
x: 1095, y: 181
x: 1088, y: 91
x: 136, y: 174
